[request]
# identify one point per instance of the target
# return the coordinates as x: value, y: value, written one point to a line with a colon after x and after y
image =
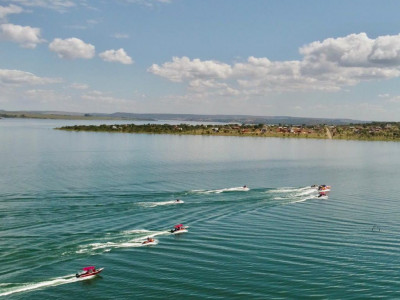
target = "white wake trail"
x: 125, y: 241
x: 161, y: 203
x: 232, y: 189
x: 24, y: 287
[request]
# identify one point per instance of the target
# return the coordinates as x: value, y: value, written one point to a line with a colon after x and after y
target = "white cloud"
x: 354, y: 50
x: 59, y: 5
x: 116, y: 56
x: 43, y: 96
x: 20, y: 78
x: 7, y: 10
x: 394, y: 99
x: 181, y: 69
x: 329, y: 65
x: 72, y: 48
x: 102, y: 98
x: 26, y: 36
x: 384, y: 95
x: 79, y: 86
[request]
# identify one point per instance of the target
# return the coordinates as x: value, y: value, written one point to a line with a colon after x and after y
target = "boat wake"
x: 126, y: 239
x: 233, y: 189
x: 295, y: 195
x: 7, y: 289
x: 161, y: 203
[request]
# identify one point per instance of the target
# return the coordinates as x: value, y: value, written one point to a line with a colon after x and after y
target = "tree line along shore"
x: 380, y: 131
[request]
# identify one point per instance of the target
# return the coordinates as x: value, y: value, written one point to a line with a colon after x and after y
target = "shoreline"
x: 323, y: 132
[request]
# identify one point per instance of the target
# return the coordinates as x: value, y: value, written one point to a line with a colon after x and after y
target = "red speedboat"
x: 88, y: 272
x: 179, y: 229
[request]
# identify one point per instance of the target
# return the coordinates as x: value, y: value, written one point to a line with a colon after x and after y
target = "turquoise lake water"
x: 74, y: 199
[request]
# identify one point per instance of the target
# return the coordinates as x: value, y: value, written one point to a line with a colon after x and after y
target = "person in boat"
x: 177, y: 227
x: 177, y: 200
x: 245, y: 186
x: 149, y: 240
x: 88, y: 270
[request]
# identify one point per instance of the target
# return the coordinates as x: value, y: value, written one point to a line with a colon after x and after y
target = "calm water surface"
x: 73, y: 199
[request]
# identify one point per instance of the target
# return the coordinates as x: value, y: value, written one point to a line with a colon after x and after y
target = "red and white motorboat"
x: 324, y: 188
x: 88, y: 272
x: 179, y: 229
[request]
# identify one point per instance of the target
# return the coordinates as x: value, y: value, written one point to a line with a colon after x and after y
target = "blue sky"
x: 335, y: 59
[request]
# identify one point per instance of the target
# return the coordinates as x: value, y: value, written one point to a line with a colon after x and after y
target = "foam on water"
x: 24, y: 287
x: 125, y: 240
x: 232, y: 189
x: 296, y: 195
x: 161, y: 203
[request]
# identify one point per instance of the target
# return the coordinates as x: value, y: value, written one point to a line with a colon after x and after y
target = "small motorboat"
x: 179, y: 201
x: 88, y: 272
x: 179, y: 229
x: 323, y: 195
x: 149, y: 242
x: 324, y: 188
x: 245, y: 188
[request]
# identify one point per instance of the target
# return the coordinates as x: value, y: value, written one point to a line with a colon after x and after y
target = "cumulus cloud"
x: 327, y: 65
x: 184, y: 68
x: 8, y: 10
x: 354, y: 50
x: 72, y: 48
x: 116, y: 56
x: 20, y: 78
x: 26, y: 36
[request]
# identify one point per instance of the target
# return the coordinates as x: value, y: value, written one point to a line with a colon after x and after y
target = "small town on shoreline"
x: 267, y: 127
x: 380, y: 131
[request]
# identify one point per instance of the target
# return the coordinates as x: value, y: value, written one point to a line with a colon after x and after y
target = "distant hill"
x: 242, y: 119
x: 247, y: 119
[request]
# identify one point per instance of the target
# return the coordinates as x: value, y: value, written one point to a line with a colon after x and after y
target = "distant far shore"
x: 60, y: 116
x: 376, y: 131
x: 184, y: 118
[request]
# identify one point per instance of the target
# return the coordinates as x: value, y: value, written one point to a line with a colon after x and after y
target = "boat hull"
x: 89, y: 275
x: 145, y: 243
x: 179, y: 231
